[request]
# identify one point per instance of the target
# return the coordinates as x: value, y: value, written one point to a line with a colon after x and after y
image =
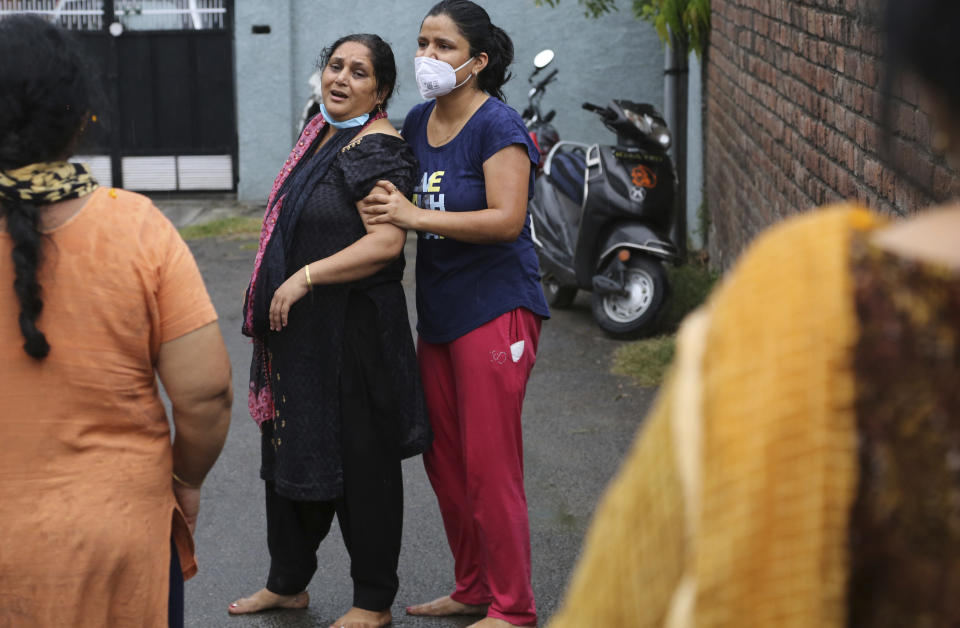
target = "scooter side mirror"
x: 549, y: 116
x: 543, y: 59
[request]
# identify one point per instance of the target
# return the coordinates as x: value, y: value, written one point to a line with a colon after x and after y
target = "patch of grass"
x: 233, y: 227
x: 645, y: 361
x: 689, y: 284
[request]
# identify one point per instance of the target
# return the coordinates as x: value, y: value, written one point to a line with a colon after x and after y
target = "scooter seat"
x: 567, y: 171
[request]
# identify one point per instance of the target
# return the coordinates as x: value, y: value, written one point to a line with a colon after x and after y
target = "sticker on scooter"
x: 643, y: 177
x: 637, y: 156
x: 637, y: 194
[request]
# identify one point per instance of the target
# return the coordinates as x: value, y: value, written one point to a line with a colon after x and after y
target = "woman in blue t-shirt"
x: 479, y: 303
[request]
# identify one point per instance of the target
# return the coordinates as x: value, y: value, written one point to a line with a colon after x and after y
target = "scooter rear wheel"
x: 558, y: 296
x: 629, y: 314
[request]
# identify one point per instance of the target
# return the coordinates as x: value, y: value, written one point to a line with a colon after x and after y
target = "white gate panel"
x: 99, y: 166
x: 150, y: 174
x: 83, y: 15
x: 140, y: 15
x: 205, y: 172
x: 166, y: 15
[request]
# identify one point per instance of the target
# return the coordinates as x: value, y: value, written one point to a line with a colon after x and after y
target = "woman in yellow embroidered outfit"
x: 99, y: 296
x: 800, y: 465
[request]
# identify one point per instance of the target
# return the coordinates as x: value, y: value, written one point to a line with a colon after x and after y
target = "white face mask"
x: 437, y: 78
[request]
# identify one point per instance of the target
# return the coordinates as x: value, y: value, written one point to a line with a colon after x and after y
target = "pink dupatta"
x: 260, y: 403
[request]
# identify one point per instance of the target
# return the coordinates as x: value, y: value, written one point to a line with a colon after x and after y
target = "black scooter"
x: 601, y: 219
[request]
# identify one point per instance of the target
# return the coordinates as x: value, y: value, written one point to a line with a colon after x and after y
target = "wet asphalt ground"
x: 579, y: 421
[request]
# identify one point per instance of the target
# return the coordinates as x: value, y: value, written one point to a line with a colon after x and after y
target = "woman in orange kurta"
x: 99, y: 295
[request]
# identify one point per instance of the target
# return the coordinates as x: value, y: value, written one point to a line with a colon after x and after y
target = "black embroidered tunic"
x: 301, y: 446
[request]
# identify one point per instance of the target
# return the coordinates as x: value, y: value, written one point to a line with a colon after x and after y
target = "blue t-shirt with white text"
x: 460, y: 285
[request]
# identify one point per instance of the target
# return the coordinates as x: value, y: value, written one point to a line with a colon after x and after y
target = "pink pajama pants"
x: 474, y: 388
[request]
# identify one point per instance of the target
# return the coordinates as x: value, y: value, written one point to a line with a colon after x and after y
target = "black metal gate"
x: 167, y: 121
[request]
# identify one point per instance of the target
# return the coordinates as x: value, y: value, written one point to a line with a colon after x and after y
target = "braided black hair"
x: 22, y: 226
x: 474, y: 24
x: 45, y: 97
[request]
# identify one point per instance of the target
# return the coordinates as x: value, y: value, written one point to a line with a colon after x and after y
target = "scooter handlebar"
x: 546, y: 80
x: 605, y: 112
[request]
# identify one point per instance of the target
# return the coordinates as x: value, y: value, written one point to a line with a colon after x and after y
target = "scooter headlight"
x: 664, y: 139
x: 642, y: 122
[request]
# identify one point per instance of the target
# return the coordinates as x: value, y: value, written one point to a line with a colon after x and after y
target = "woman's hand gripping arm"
x: 506, y: 177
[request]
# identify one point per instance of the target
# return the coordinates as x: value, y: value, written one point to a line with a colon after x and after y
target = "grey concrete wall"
x: 264, y: 94
x: 615, y: 56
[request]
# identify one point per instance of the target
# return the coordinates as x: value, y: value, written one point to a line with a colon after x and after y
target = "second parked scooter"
x: 602, y: 216
x: 543, y: 133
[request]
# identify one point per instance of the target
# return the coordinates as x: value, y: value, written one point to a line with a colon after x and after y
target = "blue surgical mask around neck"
x: 344, y: 124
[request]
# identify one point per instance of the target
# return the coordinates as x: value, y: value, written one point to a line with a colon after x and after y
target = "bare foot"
x: 263, y: 600
x: 360, y: 618
x: 446, y: 605
x: 492, y: 622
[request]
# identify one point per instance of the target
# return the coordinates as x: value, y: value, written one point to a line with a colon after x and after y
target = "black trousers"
x: 175, y: 598
x: 370, y: 511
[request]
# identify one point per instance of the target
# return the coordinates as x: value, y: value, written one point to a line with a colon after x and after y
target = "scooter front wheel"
x: 558, y: 296
x: 628, y: 314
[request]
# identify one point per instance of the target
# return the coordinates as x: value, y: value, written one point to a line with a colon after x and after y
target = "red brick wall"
x: 792, y: 119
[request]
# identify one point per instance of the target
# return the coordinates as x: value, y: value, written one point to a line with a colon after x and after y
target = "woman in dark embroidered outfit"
x: 334, y: 383
x: 800, y: 467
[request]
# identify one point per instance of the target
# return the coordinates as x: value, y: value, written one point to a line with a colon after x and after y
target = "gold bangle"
x: 306, y: 270
x: 179, y: 480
